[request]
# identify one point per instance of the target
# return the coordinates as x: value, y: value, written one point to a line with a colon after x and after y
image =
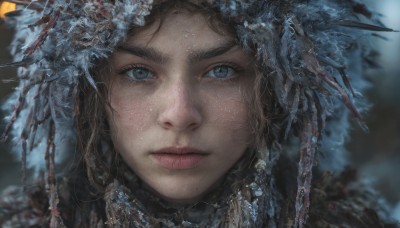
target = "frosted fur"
x: 71, y: 49
x: 76, y: 44
x: 312, y: 64
x: 287, y: 63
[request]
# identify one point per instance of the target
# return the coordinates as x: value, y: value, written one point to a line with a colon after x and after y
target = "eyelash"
x: 236, y: 69
x: 124, y: 71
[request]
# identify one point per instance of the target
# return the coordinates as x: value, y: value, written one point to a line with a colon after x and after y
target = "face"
x: 179, y: 105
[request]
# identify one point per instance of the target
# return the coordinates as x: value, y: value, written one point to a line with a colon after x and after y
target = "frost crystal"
x: 257, y: 191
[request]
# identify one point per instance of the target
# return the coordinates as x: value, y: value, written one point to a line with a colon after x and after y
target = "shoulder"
x: 29, y: 206
x: 23, y: 207
x: 345, y: 201
x: 336, y: 200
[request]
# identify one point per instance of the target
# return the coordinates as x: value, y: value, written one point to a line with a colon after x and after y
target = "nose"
x: 180, y: 111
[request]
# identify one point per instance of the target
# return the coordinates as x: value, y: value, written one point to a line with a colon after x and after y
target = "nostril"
x: 166, y: 124
x: 179, y: 121
x: 180, y: 118
x: 193, y: 126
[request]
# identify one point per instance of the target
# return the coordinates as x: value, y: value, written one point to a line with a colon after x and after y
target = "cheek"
x: 228, y: 113
x: 232, y: 112
x: 129, y: 117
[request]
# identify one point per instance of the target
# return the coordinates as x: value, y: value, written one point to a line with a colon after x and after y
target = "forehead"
x: 181, y: 28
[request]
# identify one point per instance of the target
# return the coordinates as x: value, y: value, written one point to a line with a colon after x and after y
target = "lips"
x: 175, y: 158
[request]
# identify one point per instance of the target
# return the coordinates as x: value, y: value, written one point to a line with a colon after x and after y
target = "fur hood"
x: 312, y: 54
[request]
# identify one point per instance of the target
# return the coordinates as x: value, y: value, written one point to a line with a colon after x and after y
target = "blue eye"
x: 139, y: 73
x: 221, y: 72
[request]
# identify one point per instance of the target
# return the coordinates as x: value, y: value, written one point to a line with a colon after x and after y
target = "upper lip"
x: 179, y: 150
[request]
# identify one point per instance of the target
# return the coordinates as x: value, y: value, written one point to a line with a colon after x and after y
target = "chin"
x: 179, y: 192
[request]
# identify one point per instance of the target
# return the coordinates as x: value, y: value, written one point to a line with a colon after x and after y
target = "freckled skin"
x: 180, y: 107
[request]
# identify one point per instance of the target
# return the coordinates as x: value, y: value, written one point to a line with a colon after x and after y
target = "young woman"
x: 187, y: 114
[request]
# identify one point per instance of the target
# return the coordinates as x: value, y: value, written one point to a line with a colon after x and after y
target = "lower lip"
x: 179, y: 161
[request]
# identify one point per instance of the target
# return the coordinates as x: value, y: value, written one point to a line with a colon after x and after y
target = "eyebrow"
x: 144, y: 52
x: 160, y: 58
x: 199, y: 55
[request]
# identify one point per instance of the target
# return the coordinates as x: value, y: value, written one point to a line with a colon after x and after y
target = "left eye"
x: 221, y: 72
x: 139, y: 74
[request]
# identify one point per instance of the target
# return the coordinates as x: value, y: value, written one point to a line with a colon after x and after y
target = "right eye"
x: 138, y: 73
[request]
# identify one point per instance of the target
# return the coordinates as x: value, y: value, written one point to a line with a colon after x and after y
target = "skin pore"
x: 179, y: 111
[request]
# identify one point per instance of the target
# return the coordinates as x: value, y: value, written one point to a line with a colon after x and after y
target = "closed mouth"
x: 177, y: 158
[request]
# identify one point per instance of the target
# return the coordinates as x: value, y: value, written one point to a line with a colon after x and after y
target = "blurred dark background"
x: 9, y: 168
x: 376, y: 154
